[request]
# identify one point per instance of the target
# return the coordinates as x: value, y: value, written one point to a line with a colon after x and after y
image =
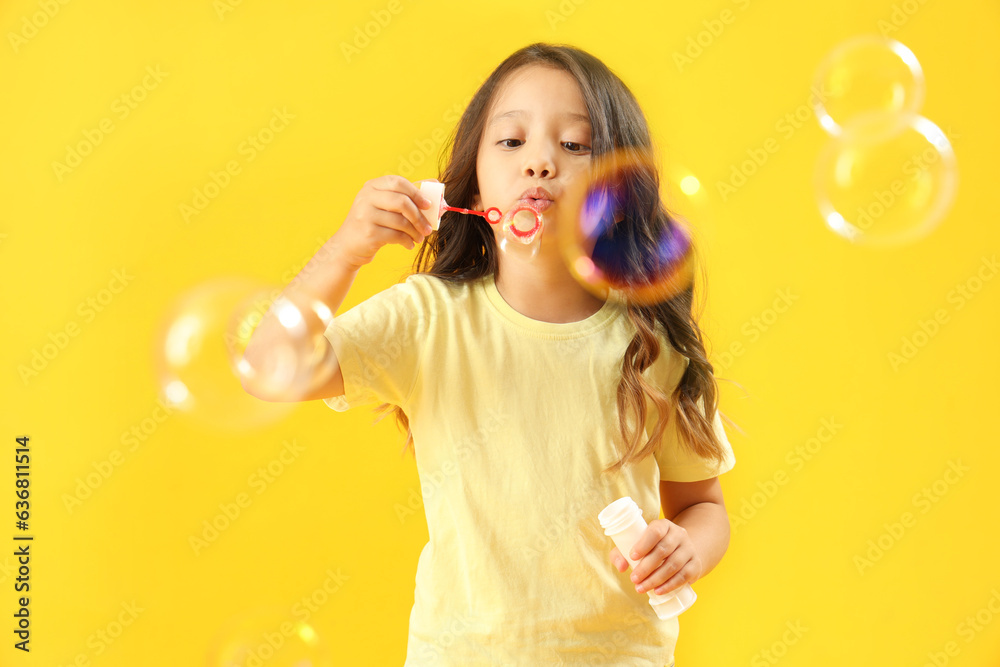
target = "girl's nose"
x: 538, y: 162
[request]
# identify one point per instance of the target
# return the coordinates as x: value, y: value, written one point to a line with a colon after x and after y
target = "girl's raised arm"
x: 384, y: 211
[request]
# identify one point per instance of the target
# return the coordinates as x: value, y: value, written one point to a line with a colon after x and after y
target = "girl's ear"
x: 477, y: 203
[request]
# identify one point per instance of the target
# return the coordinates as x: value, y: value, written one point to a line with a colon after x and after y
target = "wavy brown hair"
x: 463, y: 250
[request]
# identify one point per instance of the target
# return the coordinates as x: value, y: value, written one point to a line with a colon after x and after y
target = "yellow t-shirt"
x: 513, y: 420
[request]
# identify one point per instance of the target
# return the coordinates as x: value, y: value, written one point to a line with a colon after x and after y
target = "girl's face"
x: 537, y: 134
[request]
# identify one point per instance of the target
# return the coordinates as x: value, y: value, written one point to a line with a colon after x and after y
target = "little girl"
x: 521, y: 391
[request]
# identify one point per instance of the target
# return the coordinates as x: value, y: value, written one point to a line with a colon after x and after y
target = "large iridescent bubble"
x: 870, y: 82
x: 627, y: 239
x: 199, y: 352
x: 884, y: 189
x: 296, y: 359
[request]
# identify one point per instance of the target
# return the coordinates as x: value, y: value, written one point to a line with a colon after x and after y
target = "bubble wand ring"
x: 530, y: 234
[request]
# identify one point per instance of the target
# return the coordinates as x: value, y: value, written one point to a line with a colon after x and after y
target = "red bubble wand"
x: 493, y: 215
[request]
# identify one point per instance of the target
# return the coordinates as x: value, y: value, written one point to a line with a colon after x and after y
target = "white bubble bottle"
x: 622, y: 521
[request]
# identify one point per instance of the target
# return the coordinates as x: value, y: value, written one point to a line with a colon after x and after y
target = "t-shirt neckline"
x: 594, y: 322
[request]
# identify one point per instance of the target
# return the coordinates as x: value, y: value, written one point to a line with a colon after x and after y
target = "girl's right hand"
x: 384, y: 211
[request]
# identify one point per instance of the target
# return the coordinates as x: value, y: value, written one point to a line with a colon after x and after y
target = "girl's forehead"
x: 538, y: 89
x: 533, y: 77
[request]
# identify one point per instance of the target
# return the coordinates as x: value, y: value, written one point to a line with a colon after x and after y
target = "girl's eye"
x: 579, y: 147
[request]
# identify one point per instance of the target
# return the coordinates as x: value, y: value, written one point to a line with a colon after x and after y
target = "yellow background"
x: 792, y: 559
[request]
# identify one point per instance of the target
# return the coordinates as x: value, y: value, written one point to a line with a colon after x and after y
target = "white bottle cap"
x: 434, y: 191
x: 677, y: 601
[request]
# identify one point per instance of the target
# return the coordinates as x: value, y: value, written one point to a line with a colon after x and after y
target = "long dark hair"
x: 465, y: 249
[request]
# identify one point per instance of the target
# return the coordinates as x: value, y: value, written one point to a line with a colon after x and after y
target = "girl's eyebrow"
x: 579, y: 117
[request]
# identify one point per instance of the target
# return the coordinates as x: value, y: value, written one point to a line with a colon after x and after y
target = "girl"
x: 521, y: 392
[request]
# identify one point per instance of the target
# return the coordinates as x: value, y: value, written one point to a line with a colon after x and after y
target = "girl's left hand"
x: 667, y: 558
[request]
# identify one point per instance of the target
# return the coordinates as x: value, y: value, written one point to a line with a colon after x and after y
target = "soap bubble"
x: 606, y: 248
x: 521, y: 230
x: 268, y: 637
x: 298, y: 360
x: 198, y: 353
x: 866, y: 80
x: 881, y: 190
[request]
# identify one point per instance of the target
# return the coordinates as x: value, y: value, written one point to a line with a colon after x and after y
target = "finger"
x: 654, y: 578
x: 391, y: 226
x: 662, y: 573
x: 397, y: 211
x: 671, y: 580
x: 397, y: 202
x: 392, y: 236
x: 642, y: 545
x: 403, y: 187
x: 650, y: 561
x: 407, y: 207
x: 618, y: 560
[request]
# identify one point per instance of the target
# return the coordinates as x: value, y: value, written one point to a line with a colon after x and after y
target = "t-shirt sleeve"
x: 377, y: 343
x: 677, y: 463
